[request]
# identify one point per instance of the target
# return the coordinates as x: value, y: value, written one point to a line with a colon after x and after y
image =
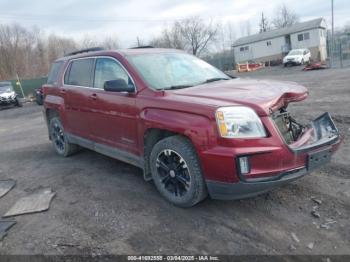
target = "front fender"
x: 196, y: 127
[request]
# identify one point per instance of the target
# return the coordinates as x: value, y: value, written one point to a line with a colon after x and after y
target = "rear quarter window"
x: 54, y: 71
x: 80, y: 72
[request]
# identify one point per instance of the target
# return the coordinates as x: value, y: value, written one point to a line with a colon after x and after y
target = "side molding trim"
x: 107, y: 150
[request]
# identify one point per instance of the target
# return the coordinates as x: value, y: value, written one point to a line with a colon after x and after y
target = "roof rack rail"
x: 92, y: 49
x: 145, y: 46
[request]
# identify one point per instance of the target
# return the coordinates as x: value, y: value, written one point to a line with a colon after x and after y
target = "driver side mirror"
x: 118, y: 85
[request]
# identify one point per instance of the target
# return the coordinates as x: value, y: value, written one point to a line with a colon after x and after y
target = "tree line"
x: 28, y: 53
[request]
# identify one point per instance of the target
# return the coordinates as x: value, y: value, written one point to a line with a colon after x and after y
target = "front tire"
x: 59, y: 138
x: 18, y: 103
x: 176, y: 171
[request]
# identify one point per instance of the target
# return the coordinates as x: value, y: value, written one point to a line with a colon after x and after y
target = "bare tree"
x: 59, y: 46
x: 231, y: 32
x: 88, y: 41
x: 226, y: 36
x: 110, y: 42
x: 264, y: 24
x: 197, y: 34
x: 170, y: 38
x: 191, y: 34
x: 245, y: 28
x: 284, y: 17
x: 17, y: 48
x: 248, y: 27
x: 29, y: 53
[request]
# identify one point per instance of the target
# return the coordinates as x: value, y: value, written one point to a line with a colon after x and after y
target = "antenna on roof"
x: 92, y: 49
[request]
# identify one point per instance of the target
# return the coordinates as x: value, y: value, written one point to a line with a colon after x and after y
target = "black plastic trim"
x: 240, y: 190
x: 92, y: 49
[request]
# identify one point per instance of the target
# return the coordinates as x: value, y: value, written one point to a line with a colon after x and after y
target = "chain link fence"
x: 339, y: 55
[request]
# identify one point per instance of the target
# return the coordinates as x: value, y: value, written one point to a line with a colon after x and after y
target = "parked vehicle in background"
x: 297, y: 57
x: 39, y: 96
x: 190, y: 127
x: 8, y: 95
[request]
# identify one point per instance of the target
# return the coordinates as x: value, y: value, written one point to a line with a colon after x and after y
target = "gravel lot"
x: 103, y: 206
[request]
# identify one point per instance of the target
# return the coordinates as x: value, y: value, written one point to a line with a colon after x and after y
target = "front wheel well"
x: 151, y: 137
x: 50, y: 113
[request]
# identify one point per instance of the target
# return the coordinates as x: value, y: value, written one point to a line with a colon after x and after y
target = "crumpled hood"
x: 264, y: 96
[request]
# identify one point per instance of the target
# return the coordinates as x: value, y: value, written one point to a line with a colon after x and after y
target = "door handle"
x: 63, y: 91
x: 93, y: 96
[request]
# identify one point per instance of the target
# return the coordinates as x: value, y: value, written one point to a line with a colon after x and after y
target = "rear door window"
x: 80, y: 72
x: 53, y: 74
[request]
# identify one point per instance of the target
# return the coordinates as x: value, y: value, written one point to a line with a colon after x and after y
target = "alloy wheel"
x: 173, y: 172
x: 57, y: 136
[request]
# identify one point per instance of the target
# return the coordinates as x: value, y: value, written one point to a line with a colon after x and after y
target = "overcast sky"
x: 129, y: 19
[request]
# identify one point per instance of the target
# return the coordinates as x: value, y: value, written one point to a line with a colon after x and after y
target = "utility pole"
x: 263, y: 23
x: 332, y: 40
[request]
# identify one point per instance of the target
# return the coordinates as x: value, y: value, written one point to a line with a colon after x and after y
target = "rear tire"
x: 59, y: 138
x: 176, y: 171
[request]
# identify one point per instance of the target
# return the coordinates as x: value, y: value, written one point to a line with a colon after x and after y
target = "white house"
x: 274, y: 44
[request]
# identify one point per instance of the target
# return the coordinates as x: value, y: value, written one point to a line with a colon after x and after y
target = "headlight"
x: 239, y: 122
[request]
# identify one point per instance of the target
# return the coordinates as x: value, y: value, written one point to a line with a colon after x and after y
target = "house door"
x: 287, y: 46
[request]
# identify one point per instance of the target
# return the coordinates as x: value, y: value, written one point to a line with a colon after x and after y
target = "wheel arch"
x: 50, y: 113
x: 159, y: 124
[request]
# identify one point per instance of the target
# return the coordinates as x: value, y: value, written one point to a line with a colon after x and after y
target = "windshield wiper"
x: 215, y: 79
x: 177, y: 87
x: 206, y: 81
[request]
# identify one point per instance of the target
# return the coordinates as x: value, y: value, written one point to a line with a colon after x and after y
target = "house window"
x: 307, y: 36
x: 268, y: 43
x: 300, y: 37
x: 244, y: 48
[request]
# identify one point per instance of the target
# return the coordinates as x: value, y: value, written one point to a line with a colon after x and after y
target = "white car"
x: 297, y: 57
x: 8, y: 96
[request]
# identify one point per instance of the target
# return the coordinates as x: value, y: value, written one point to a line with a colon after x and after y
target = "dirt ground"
x: 104, y: 206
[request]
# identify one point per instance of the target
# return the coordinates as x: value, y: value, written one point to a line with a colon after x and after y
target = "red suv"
x: 190, y: 127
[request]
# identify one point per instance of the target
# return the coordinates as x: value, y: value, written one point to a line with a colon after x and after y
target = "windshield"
x: 174, y: 70
x: 295, y: 52
x: 5, y: 87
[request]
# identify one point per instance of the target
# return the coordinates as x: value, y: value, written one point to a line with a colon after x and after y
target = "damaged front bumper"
x: 313, y: 148
x: 7, y: 101
x: 321, y: 132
